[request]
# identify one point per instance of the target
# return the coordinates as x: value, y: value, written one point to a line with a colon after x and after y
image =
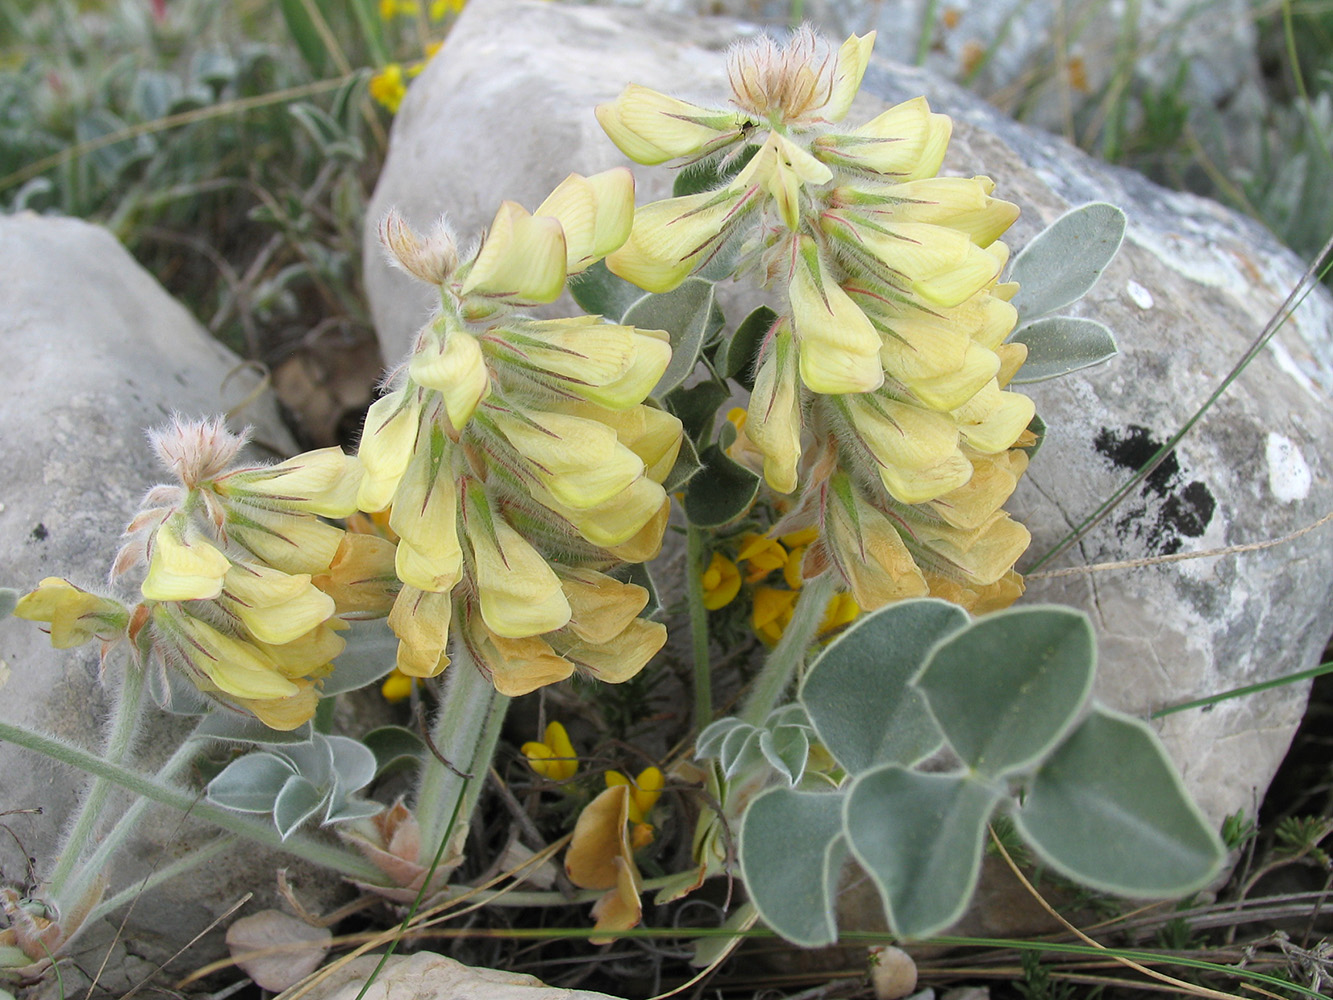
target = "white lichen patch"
x: 1288, y: 475
x: 1139, y: 295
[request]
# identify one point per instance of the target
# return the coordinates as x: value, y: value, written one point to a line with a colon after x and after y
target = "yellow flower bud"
x: 425, y: 518
x: 907, y: 142
x: 652, y: 128
x: 323, y: 482
x: 451, y: 363
x: 276, y: 607
x: 521, y: 261
x: 391, y: 429
x: 579, y: 461
x: 235, y: 667
x: 293, y: 543
x: 850, y: 67
x: 839, y: 345
x: 773, y: 420
x: 396, y: 687
x: 781, y: 168
x: 610, y: 365
x: 595, y: 213
x: 184, y: 565
x: 722, y: 582
x: 75, y: 616
x: 520, y: 594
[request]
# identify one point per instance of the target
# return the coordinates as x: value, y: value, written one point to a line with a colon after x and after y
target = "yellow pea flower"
x: 75, y: 615
x: 652, y: 128
x: 842, y: 610
x: 906, y: 142
x: 388, y: 87
x: 521, y: 261
x: 396, y: 687
x: 645, y: 790
x: 722, y: 582
x: 184, y: 565
x: 764, y: 555
x: 554, y: 757
x: 772, y: 613
x: 595, y: 212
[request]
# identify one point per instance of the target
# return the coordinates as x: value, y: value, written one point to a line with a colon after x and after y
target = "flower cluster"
x: 885, y: 368
x: 516, y: 457
x: 229, y: 557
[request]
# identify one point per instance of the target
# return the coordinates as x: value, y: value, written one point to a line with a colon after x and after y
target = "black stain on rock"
x: 1169, y: 506
x: 40, y: 533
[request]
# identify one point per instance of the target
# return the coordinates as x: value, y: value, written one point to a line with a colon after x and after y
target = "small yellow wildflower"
x: 763, y: 554
x: 554, y: 757
x: 842, y: 610
x: 388, y: 87
x: 389, y: 9
x: 644, y: 791
x: 772, y: 613
x: 439, y: 8
x: 396, y: 686
x: 722, y: 582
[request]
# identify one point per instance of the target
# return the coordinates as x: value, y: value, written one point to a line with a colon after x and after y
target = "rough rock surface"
x: 97, y: 353
x: 428, y: 976
x: 1192, y: 286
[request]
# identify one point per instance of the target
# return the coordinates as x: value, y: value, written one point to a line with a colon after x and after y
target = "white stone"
x: 1288, y: 474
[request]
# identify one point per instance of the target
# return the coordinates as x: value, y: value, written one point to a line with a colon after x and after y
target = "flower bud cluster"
x: 516, y: 457
x: 886, y: 366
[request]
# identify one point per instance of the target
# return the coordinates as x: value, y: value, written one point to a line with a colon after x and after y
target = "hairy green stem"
x: 694, y: 590
x: 261, y: 831
x: 464, y: 733
x: 789, y: 653
x: 123, y: 724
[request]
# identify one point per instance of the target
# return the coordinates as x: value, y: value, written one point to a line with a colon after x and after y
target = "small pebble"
x: 1139, y: 295
x: 892, y: 973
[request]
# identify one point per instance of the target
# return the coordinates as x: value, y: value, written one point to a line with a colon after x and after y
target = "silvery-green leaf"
x: 1064, y: 261
x: 351, y: 809
x: 686, y: 465
x: 792, y: 714
x: 313, y: 760
x: 696, y: 407
x: 392, y: 745
x: 857, y: 693
x: 296, y: 803
x: 369, y: 655
x: 1108, y: 809
x: 1006, y: 689
x: 787, y: 749
x: 353, y: 763
x: 251, y: 783
x: 791, y: 852
x: 919, y: 838
x: 721, y: 491
x: 740, y: 355
x: 601, y: 293
x: 740, y: 751
x: 709, y: 742
x: 1058, y: 345
x: 687, y: 314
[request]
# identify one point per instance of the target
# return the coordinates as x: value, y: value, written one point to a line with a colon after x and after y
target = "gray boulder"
x: 506, y: 111
x: 98, y: 352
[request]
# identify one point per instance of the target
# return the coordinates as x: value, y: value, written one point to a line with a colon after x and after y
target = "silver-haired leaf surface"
x: 296, y: 803
x: 687, y: 314
x: 1006, y: 689
x: 919, y: 838
x: 709, y: 743
x: 601, y: 293
x: 791, y: 851
x: 1108, y: 809
x: 857, y: 693
x: 1058, y: 345
x: 787, y: 748
x: 251, y: 783
x: 1064, y: 261
x: 234, y: 728
x: 368, y: 657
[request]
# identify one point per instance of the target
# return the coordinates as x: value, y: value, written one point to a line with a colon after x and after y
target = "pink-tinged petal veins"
x: 673, y: 237
x: 522, y: 259
x: 520, y: 594
x: 184, y: 565
x: 387, y: 442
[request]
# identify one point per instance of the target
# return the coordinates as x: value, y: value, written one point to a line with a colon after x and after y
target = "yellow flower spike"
x: 652, y: 128
x: 772, y: 613
x: 722, y: 582
x: 453, y: 366
x: 396, y: 687
x: 853, y: 57
x: 425, y: 517
x: 75, y: 615
x: 522, y: 259
x: 601, y: 607
x: 842, y: 610
x: 517, y: 666
x: 392, y: 425
x: 580, y: 461
x: 868, y: 550
x: 906, y: 142
x: 520, y: 594
x: 276, y: 607
x: 184, y: 565
x: 421, y: 619
x: 361, y: 579
x: 773, y: 420
x: 323, y: 482
x: 388, y: 87
x: 620, y: 658
x: 916, y: 449
x: 839, y: 345
x: 595, y: 212
x: 673, y: 237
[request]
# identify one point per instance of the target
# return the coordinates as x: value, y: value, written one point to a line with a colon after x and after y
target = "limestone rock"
x: 428, y: 976
x: 97, y: 352
x: 506, y: 111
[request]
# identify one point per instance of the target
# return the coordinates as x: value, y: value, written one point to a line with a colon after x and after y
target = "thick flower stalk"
x: 886, y: 366
x: 517, y: 457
